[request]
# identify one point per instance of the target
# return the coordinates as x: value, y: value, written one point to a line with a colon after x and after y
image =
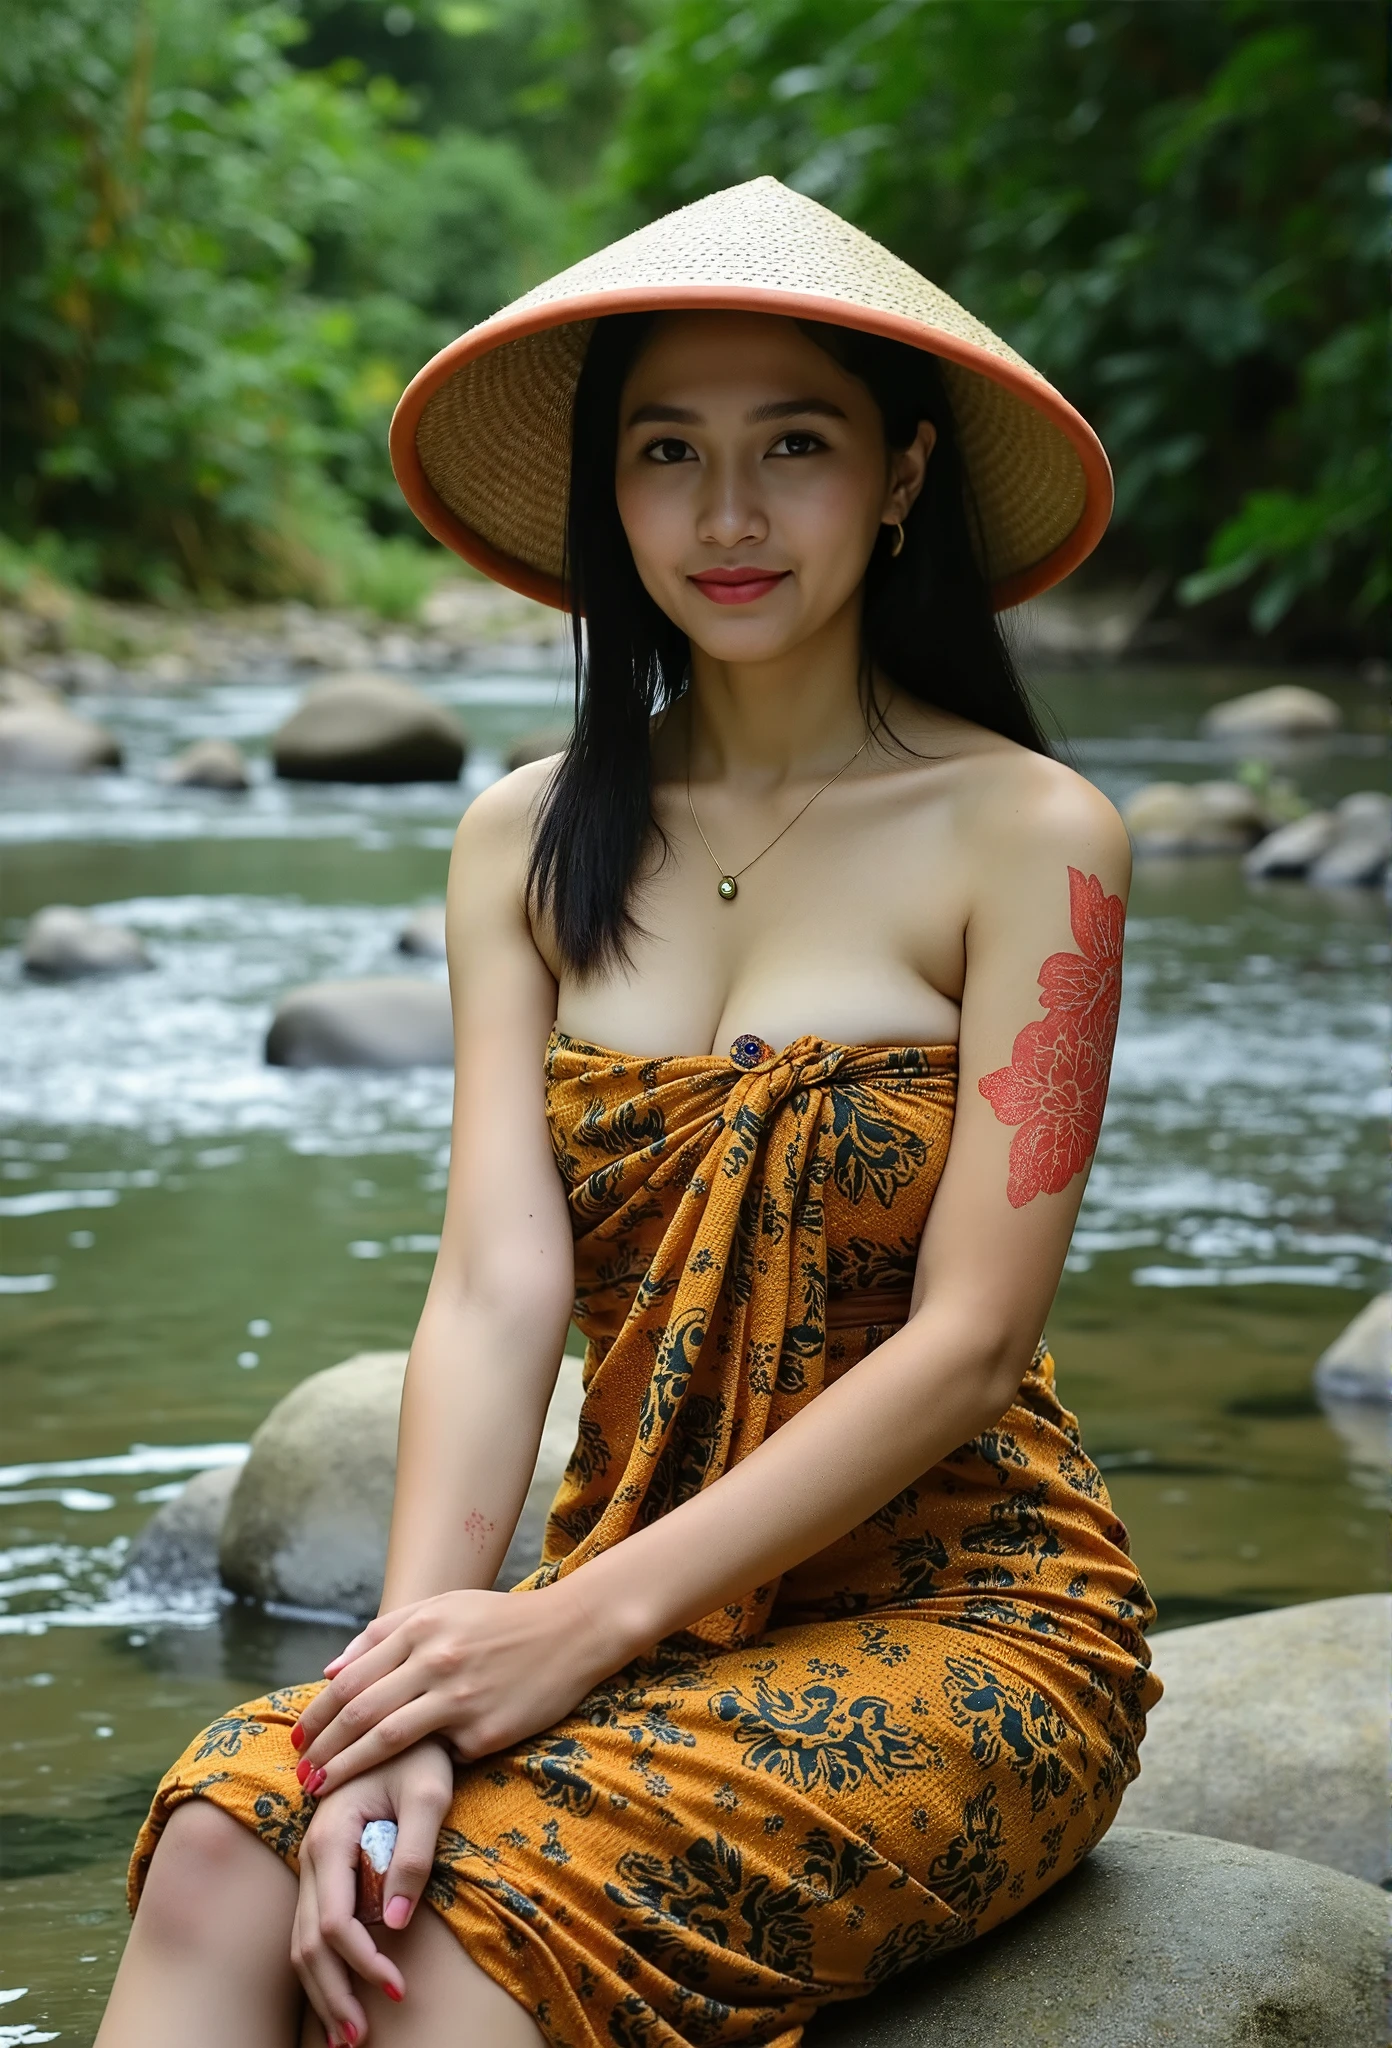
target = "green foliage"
x: 222, y: 269
x: 233, y: 230
x: 1176, y: 208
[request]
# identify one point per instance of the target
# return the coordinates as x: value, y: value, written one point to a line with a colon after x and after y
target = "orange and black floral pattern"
x: 850, y: 1770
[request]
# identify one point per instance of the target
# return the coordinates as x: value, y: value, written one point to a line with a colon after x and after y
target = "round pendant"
x: 729, y: 888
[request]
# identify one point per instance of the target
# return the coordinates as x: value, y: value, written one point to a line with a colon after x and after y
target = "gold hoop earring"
x: 897, y: 544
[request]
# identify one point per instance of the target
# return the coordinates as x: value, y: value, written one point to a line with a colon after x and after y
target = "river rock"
x: 307, y: 1523
x: 380, y: 1021
x: 208, y: 764
x: 1157, y: 1941
x: 1194, y: 817
x: 424, y: 933
x: 1285, y: 711
x: 369, y: 728
x: 1273, y: 1732
x: 64, y: 944
x: 538, y: 746
x: 175, y: 1556
x: 1358, y: 1364
x: 1359, y: 855
x: 19, y: 688
x: 1294, y: 848
x: 48, y: 739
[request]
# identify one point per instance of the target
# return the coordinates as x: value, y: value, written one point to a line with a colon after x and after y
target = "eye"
x: 669, y: 450
x: 798, y: 441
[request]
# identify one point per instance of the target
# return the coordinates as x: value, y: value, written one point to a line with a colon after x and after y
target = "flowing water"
x: 185, y: 1232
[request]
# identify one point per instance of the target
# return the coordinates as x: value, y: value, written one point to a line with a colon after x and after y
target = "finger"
x: 413, y: 1859
x: 336, y: 1881
x: 361, y: 1713
x: 409, y: 1724
x: 322, y: 1972
x: 384, y: 1656
x: 376, y: 1630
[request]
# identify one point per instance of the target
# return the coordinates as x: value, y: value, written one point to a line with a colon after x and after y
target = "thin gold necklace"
x: 728, y: 886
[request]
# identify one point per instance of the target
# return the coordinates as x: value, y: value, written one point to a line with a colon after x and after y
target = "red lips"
x: 737, y: 585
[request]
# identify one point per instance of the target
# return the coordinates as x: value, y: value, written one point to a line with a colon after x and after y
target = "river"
x: 186, y: 1232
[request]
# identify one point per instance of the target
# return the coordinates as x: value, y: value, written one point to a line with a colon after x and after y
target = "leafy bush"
x: 222, y: 270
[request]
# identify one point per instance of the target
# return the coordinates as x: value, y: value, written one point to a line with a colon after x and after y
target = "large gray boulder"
x: 208, y: 764
x: 383, y: 1020
x: 65, y: 944
x: 1292, y: 849
x: 1285, y: 711
x: 175, y: 1556
x: 1194, y: 817
x: 1363, y: 844
x: 48, y: 739
x: 1358, y: 1364
x: 307, y: 1523
x: 1157, y: 1941
x: 369, y: 728
x: 1273, y: 1732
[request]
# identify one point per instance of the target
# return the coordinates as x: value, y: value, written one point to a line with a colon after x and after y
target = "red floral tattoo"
x: 1056, y: 1084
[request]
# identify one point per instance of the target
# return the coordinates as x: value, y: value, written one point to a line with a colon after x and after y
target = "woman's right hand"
x: 330, y: 1945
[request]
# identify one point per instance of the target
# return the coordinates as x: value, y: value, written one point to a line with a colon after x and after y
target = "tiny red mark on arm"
x: 1055, y: 1087
x: 477, y: 1528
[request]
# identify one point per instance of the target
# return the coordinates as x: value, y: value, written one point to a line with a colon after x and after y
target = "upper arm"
x: 506, y: 1240
x: 1050, y: 867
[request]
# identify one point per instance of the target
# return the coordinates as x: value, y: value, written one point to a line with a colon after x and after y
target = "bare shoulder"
x: 496, y: 830
x: 1018, y: 810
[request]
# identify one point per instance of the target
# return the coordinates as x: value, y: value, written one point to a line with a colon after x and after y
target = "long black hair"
x: 927, y: 624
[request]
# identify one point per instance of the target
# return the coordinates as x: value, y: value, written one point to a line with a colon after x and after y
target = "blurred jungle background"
x: 230, y: 234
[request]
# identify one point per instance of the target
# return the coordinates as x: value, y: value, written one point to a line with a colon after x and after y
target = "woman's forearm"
x: 472, y: 1412
x: 895, y: 1414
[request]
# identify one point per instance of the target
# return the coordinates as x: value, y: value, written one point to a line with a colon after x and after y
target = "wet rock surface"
x: 66, y: 944
x: 1158, y: 1940
x: 1358, y: 1364
x: 1347, y: 847
x: 47, y: 739
x: 306, y: 1524
x: 1273, y: 1732
x: 208, y: 764
x: 386, y: 1020
x: 175, y: 1556
x: 1285, y: 711
x: 369, y: 728
x: 1195, y: 817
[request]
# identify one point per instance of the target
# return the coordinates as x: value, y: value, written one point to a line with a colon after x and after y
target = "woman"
x: 835, y: 1657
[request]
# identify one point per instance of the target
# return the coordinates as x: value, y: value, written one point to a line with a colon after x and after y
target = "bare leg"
x: 208, y: 1959
x: 450, y: 2002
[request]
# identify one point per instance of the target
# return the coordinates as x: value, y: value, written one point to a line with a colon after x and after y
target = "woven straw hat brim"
x: 480, y: 441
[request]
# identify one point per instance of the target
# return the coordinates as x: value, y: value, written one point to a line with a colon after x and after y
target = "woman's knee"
x: 204, y: 1860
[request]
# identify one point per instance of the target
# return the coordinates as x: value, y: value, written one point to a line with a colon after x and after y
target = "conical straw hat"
x: 481, y: 439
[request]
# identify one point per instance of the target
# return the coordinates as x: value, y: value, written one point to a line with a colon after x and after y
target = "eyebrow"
x: 779, y: 409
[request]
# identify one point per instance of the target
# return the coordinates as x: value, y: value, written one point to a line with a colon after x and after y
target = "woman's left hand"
x: 482, y: 1669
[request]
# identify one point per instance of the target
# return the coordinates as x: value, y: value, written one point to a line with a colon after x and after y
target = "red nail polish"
x: 297, y: 1737
x: 394, y: 1995
x: 316, y: 1782
x: 350, y: 2032
x: 304, y: 1769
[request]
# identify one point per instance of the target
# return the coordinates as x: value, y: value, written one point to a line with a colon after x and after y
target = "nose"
x: 730, y: 512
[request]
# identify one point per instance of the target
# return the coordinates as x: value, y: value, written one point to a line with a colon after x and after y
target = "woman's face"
x: 753, y: 479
